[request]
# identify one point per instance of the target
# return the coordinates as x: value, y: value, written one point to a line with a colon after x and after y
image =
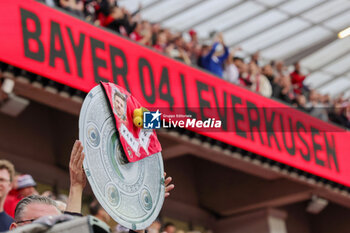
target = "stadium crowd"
x: 271, y: 80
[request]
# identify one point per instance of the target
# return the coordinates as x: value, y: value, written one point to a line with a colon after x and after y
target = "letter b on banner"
x: 29, y: 35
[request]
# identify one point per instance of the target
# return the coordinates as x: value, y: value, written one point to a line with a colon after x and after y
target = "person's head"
x: 143, y: 28
x: 146, y: 25
x: 156, y: 27
x: 119, y: 104
x: 242, y: 67
x: 267, y: 70
x: 193, y: 35
x: 205, y: 50
x: 7, y: 172
x: 253, y: 68
x: 285, y: 81
x: 97, y: 211
x: 279, y: 66
x: 116, y: 13
x: 26, y: 186
x: 33, y: 207
x: 313, y: 96
x: 238, y: 61
x: 154, y: 227
x: 256, y: 56
x: 297, y: 66
x: 162, y: 38
x: 337, y: 108
x: 301, y: 100
x: 178, y: 41
x: 169, y: 228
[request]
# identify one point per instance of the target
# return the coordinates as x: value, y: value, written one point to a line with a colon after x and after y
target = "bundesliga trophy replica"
x: 123, y: 162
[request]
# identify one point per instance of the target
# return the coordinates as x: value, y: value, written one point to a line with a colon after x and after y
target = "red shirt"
x: 297, y: 81
x: 158, y: 47
x: 11, y: 203
x: 135, y: 36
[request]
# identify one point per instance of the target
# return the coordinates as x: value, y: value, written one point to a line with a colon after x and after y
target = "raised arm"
x: 212, y: 51
x: 77, y: 178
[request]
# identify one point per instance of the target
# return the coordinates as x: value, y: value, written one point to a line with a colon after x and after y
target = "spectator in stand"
x: 194, y: 37
x: 12, y: 198
x: 340, y: 113
x: 176, y: 50
x: 239, y: 63
x: 213, y: 60
x: 118, y: 21
x: 317, y: 109
x: 155, y: 227
x: 169, y: 228
x: 231, y: 72
x: 326, y: 100
x: 270, y: 75
x: 161, y: 41
x: 90, y: 11
x: 194, y: 47
x: 204, y: 50
x: 7, y: 173
x: 32, y: 208
x: 280, y: 70
x: 155, y: 31
x: 260, y: 83
x: 97, y: 211
x: 297, y: 79
x: 142, y: 33
x: 103, y: 9
x: 76, y: 7
x: 170, y: 36
x: 243, y: 68
x: 25, y: 187
x: 286, y: 94
x: 255, y: 58
x: 301, y: 103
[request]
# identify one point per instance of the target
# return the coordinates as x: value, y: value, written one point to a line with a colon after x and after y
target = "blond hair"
x: 5, y: 164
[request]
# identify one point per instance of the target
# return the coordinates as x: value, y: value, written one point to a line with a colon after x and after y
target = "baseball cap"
x: 192, y: 32
x: 25, y: 181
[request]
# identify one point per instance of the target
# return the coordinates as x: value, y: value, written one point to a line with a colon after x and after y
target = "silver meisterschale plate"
x: 132, y: 193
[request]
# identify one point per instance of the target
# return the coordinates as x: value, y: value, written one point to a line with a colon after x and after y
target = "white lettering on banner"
x: 129, y: 138
x: 134, y: 143
x: 144, y: 137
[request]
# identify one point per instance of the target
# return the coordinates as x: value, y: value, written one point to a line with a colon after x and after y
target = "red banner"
x: 137, y: 143
x: 65, y: 49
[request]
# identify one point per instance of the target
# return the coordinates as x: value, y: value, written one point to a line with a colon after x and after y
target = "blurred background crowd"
x: 271, y: 79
